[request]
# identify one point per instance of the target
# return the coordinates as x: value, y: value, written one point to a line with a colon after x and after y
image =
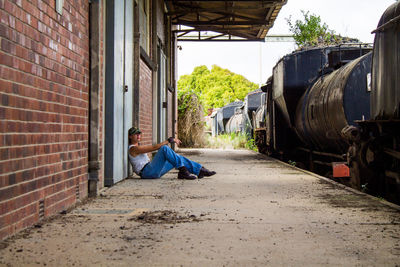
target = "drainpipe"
x: 94, y: 86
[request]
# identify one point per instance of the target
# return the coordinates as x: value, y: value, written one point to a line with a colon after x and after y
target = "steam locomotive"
x: 242, y: 119
x: 303, y: 111
x: 335, y: 111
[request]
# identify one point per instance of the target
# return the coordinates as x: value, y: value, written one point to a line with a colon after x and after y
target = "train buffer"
x: 256, y: 211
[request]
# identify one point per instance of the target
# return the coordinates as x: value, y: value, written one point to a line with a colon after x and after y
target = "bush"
x: 190, y: 121
x: 231, y: 141
x: 311, y: 31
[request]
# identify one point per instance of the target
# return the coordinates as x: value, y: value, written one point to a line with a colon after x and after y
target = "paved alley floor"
x: 255, y: 211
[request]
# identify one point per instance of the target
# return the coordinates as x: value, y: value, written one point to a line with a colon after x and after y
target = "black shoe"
x: 205, y: 172
x: 185, y: 174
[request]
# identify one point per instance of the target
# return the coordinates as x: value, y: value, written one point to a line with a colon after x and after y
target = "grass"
x: 230, y: 141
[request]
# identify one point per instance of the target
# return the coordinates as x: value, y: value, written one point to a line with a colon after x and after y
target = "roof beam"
x: 211, y: 23
x: 236, y: 32
x: 185, y: 8
x: 267, y: 17
x: 241, y: 18
x: 200, y: 28
x: 259, y: 3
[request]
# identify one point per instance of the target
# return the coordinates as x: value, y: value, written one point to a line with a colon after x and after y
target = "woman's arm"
x: 137, y: 150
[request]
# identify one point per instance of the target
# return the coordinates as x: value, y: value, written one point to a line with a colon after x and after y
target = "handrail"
x: 386, y: 24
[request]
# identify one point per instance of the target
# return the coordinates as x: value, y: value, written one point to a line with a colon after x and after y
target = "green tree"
x: 216, y: 87
x: 311, y: 31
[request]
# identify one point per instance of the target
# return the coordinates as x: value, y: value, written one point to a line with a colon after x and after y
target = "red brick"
x: 27, y: 221
x: 7, y: 231
x: 18, y: 215
x: 62, y: 205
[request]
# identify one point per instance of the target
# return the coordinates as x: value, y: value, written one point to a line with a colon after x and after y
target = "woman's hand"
x: 172, y: 140
x: 177, y: 141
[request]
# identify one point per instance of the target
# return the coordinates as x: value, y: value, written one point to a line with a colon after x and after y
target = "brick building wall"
x: 146, y: 103
x: 44, y: 77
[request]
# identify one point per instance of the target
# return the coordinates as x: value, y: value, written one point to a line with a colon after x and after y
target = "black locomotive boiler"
x: 335, y: 101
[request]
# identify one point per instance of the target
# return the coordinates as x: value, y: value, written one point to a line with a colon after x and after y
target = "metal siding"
x: 292, y: 76
x: 254, y: 100
x: 385, y: 95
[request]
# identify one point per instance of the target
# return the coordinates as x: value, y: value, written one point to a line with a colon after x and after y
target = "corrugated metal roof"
x: 223, y: 20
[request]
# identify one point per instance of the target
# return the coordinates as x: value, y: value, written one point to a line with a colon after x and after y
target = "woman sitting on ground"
x: 165, y: 159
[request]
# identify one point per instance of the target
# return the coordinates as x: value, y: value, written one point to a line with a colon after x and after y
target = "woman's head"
x: 134, y: 134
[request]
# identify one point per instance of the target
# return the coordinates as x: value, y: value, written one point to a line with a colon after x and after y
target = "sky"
x: 255, y: 60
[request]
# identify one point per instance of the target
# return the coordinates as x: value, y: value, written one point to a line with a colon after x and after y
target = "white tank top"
x: 139, y: 161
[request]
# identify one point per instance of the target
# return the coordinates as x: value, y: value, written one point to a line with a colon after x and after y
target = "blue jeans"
x: 165, y: 160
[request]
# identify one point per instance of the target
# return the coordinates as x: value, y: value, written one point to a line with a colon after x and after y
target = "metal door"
x: 162, y: 96
x: 118, y: 88
x: 128, y: 80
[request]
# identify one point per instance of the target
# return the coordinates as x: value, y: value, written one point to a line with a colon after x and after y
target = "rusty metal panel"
x: 385, y: 95
x: 293, y: 74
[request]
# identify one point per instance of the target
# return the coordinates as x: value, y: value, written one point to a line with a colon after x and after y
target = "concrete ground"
x: 255, y: 212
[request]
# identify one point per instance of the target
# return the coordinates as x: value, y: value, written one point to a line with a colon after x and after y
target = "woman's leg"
x: 180, y: 161
x: 157, y: 167
x: 165, y: 160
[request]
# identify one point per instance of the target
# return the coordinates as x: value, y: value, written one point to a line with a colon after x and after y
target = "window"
x: 144, y: 24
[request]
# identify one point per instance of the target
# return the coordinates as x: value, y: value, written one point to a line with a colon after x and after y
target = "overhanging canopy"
x: 223, y: 20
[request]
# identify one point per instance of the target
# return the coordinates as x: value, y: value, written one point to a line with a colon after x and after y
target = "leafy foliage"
x: 216, y: 87
x: 311, y: 31
x: 204, y: 89
x: 231, y: 141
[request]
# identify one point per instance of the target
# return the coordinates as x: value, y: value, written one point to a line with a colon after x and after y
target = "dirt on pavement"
x: 255, y: 211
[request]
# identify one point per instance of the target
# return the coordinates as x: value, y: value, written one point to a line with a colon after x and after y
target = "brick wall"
x: 146, y: 104
x: 44, y: 80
